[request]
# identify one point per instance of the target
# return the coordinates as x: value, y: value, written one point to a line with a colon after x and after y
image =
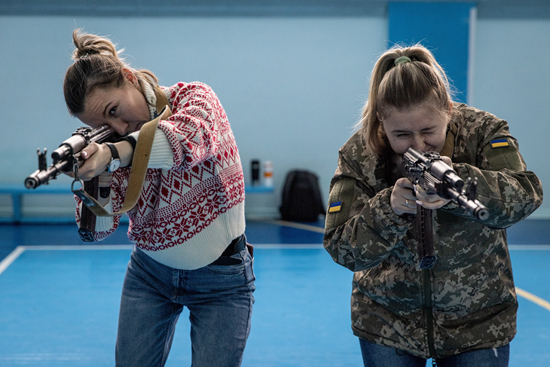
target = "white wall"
x: 292, y: 87
x: 512, y: 80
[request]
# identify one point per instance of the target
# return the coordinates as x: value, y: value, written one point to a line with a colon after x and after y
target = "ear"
x: 381, y: 124
x: 130, y: 76
x: 379, y: 118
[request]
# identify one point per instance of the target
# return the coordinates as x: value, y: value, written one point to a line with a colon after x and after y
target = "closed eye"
x: 429, y: 130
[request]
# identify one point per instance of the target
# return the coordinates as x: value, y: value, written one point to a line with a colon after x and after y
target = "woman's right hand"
x: 402, y: 199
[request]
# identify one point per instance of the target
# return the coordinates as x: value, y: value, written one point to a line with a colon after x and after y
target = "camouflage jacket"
x: 467, y: 301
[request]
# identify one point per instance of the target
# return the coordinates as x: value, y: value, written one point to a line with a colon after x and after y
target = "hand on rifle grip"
x: 402, y: 199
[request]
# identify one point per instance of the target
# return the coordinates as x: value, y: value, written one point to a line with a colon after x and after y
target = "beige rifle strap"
x: 139, y: 163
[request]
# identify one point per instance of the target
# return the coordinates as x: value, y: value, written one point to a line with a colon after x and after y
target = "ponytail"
x: 403, y: 77
x: 96, y: 64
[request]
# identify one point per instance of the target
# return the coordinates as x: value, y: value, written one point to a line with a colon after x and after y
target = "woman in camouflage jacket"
x: 462, y: 311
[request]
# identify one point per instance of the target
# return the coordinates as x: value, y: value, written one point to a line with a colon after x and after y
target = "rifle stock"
x: 87, y: 218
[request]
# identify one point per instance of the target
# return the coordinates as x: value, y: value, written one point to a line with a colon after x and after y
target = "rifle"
x: 432, y: 174
x: 67, y: 158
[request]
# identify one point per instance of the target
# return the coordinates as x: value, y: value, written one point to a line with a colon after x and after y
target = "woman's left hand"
x: 96, y: 158
x: 431, y: 201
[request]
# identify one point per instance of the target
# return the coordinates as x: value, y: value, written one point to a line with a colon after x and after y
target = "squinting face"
x: 419, y: 127
x: 124, y: 109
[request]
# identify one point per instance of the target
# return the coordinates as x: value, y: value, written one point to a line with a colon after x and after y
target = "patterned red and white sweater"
x: 192, y: 203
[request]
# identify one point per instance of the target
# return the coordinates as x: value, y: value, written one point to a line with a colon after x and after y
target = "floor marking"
x: 529, y: 247
x: 531, y: 297
x: 25, y: 358
x: 306, y: 227
x: 8, y: 260
x: 4, y: 264
x: 269, y: 246
x: 77, y: 247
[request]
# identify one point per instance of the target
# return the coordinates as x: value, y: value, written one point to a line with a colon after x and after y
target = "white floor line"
x: 529, y: 247
x: 310, y: 246
x: 77, y: 247
x: 4, y: 264
x: 285, y: 223
x: 535, y: 299
x: 8, y: 260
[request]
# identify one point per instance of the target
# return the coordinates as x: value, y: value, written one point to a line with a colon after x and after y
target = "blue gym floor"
x: 59, y: 298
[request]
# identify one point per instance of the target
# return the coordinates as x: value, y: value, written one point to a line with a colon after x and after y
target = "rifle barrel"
x: 41, y: 177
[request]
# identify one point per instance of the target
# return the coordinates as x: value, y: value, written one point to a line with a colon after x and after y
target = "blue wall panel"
x: 441, y: 27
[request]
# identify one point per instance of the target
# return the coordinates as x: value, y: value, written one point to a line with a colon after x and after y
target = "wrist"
x: 125, y: 151
x: 114, y: 162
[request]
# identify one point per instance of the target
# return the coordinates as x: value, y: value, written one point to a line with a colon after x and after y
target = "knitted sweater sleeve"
x: 195, y: 129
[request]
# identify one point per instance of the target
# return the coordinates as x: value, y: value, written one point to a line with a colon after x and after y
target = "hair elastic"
x: 401, y: 60
x: 84, y: 56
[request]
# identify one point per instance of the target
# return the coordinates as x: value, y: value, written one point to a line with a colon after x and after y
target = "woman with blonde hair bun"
x: 188, y: 224
x: 460, y: 310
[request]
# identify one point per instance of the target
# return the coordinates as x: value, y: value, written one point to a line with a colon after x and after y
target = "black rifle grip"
x: 87, y: 218
x: 427, y: 252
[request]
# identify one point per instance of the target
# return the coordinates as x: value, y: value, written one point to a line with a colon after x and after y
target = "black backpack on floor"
x: 302, y: 201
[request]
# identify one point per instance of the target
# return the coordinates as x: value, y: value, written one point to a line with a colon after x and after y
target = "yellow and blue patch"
x: 499, y: 143
x: 335, y: 207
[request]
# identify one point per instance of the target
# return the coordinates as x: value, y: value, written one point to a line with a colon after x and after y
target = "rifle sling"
x: 139, y: 163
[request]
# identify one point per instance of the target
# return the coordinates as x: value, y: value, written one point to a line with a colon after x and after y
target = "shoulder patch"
x: 341, y: 197
x: 335, y: 207
x: 499, y: 143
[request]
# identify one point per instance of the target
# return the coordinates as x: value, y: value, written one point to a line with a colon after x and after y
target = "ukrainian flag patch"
x: 335, y: 207
x: 499, y: 143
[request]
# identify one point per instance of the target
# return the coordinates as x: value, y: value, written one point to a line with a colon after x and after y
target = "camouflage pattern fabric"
x: 467, y: 301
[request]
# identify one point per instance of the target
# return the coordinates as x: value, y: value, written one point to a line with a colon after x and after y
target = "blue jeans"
x: 219, y: 299
x: 375, y: 355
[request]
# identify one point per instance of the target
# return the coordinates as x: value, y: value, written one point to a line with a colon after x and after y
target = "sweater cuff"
x: 105, y: 224
x: 162, y: 156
